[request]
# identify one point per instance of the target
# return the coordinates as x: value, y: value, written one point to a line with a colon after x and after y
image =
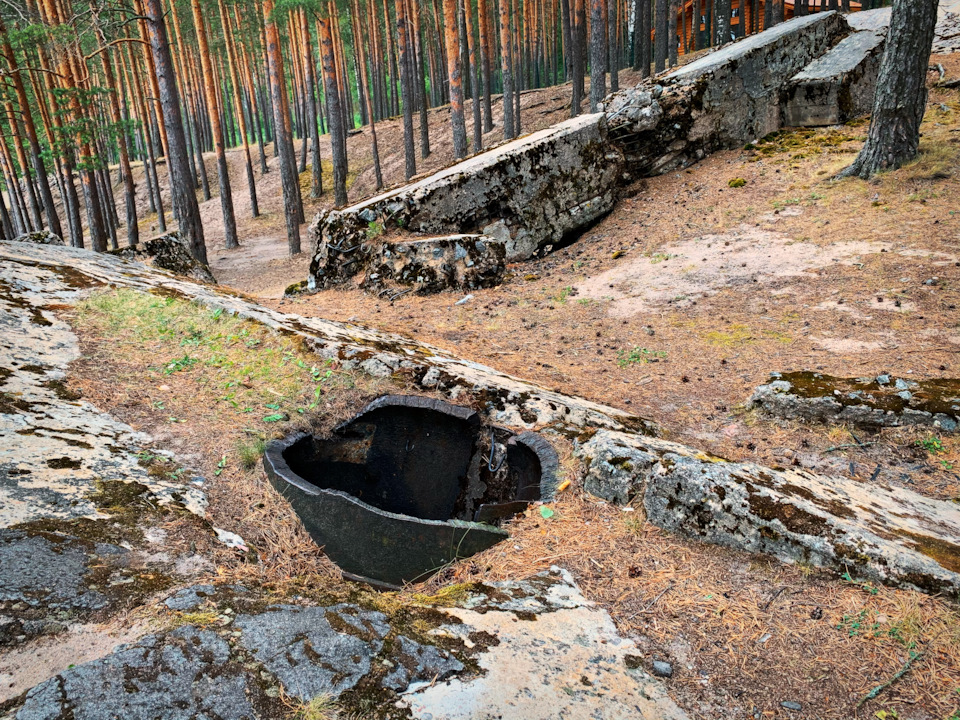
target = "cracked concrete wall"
x: 725, y: 99
x: 528, y: 194
x: 840, y: 85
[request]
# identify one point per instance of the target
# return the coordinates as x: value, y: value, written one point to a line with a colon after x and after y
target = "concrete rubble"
x: 840, y: 85
x: 42, y: 237
x: 428, y: 265
x: 946, y: 38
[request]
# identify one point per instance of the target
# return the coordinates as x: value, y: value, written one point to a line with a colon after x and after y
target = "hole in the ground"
x: 409, y: 485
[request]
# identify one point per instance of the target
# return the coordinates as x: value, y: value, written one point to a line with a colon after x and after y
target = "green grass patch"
x: 638, y: 356
x: 240, y: 366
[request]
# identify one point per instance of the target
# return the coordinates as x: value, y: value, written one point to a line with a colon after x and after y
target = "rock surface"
x: 64, y: 273
x: 54, y: 446
x: 520, y: 650
x: 168, y: 252
x: 874, y: 532
x: 314, y: 650
x: 184, y: 675
x: 551, y: 655
x: 883, y: 401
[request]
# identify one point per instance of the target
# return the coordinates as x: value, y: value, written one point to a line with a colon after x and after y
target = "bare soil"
x: 675, y: 307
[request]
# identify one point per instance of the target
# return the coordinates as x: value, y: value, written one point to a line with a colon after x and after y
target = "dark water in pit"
x: 426, y: 462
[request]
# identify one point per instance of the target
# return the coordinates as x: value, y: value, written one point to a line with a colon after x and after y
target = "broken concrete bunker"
x: 409, y: 485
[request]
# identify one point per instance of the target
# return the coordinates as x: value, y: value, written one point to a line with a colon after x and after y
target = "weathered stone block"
x: 840, y: 85
x: 873, y: 531
x: 737, y: 95
x: 168, y: 252
x: 883, y: 401
x: 530, y: 193
x: 43, y: 237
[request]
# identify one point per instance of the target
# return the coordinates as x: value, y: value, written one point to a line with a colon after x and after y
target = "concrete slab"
x: 529, y: 193
x: 840, y: 85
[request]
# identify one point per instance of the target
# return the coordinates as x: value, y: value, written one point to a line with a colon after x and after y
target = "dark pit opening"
x: 408, y: 470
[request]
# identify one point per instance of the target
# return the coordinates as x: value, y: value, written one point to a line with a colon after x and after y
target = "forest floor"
x: 674, y: 307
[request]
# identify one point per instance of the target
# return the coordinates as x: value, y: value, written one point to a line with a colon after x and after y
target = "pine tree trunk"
x: 597, y: 54
x: 660, y: 37
x: 474, y: 78
x: 289, y: 182
x: 71, y: 201
x: 7, y: 231
x: 312, y: 101
x: 566, y: 34
x: 212, y: 95
x: 337, y: 131
x: 396, y: 75
x: 421, y: 81
x: 721, y: 23
x: 39, y: 169
x: 149, y: 161
x: 486, y: 51
x: 126, y: 173
x: 613, y: 53
x: 406, y: 82
x: 181, y: 186
x: 517, y: 71
x: 33, y: 202
x: 374, y: 147
x: 576, y: 58
x: 17, y: 209
x: 506, y: 69
x: 901, y: 97
x: 672, y: 37
x: 253, y: 106
x: 453, y: 73
x: 238, y: 105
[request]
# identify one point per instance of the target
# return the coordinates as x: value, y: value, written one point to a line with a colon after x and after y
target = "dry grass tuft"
x: 938, y: 159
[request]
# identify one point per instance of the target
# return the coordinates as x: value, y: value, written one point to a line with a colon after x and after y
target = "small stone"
x: 464, y: 300
x: 662, y: 669
x: 790, y: 705
x: 932, y: 281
